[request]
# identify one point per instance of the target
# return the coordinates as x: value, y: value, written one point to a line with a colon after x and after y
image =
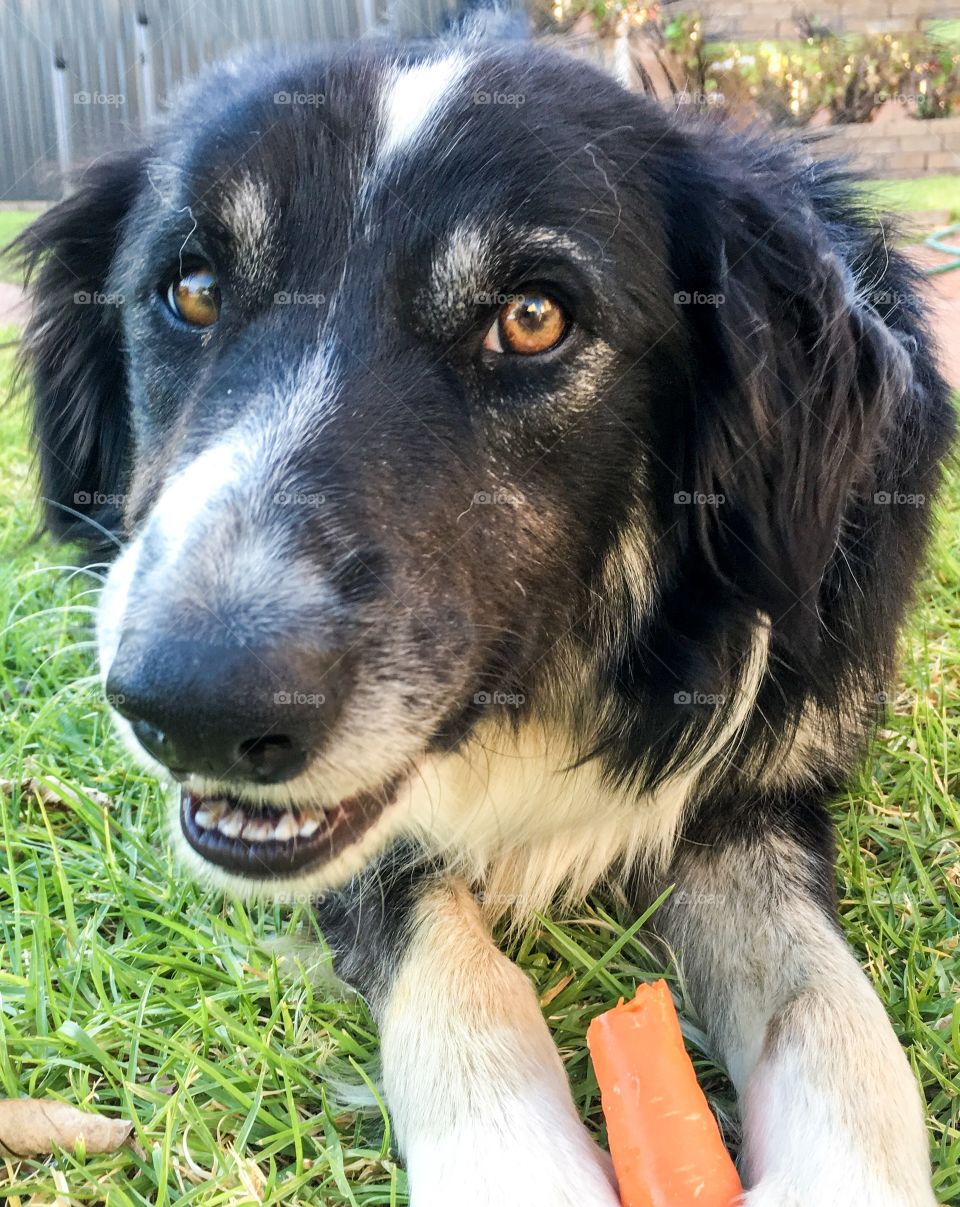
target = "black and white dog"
x: 518, y: 491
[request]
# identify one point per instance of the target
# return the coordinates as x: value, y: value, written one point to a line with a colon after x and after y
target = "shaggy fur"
x: 624, y: 611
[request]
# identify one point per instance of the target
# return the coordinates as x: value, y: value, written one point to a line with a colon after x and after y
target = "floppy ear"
x: 794, y: 378
x: 72, y: 351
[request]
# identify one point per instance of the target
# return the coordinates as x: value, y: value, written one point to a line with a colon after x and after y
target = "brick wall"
x: 901, y: 147
x: 893, y: 147
x: 749, y: 19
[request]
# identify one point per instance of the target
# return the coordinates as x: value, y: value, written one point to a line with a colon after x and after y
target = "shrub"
x: 846, y: 77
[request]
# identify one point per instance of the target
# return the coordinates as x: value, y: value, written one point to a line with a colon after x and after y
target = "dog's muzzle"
x: 237, y: 716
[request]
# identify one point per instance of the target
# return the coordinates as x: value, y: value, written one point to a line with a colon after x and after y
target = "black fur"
x: 801, y: 399
x: 367, y: 924
x: 793, y: 402
x: 73, y: 351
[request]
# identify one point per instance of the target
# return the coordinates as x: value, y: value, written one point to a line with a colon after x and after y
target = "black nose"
x: 227, y: 712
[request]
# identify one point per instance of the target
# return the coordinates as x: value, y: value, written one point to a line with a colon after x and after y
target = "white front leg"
x: 476, y: 1089
x: 831, y: 1112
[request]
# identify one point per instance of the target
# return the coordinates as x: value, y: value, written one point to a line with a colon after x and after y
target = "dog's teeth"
x: 232, y: 824
x: 236, y: 823
x: 286, y: 828
x: 258, y: 831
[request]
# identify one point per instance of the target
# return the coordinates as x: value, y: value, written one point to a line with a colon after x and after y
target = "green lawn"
x: 127, y: 991
x: 914, y: 196
x: 11, y: 223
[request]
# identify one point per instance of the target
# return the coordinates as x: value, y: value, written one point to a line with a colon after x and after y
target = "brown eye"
x: 195, y: 297
x: 527, y: 324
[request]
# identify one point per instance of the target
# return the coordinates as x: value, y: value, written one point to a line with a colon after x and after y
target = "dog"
x: 518, y: 489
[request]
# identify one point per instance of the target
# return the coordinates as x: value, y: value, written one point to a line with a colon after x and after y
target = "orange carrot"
x: 665, y: 1143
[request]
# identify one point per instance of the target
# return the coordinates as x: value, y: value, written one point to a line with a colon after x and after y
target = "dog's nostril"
x: 260, y: 748
x: 151, y: 738
x: 202, y: 710
x: 270, y: 755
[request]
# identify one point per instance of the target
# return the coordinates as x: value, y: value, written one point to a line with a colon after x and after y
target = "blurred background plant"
x: 820, y: 77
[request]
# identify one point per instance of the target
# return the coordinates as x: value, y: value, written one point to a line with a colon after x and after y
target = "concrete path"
x: 12, y: 305
x: 944, y: 298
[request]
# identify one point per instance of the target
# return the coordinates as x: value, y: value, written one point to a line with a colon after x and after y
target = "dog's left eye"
x: 194, y: 297
x: 528, y: 324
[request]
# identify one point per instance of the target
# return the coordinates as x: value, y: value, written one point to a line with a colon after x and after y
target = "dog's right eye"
x: 527, y: 325
x: 194, y: 297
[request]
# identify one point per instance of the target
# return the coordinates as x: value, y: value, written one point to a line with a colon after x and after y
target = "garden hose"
x: 936, y: 241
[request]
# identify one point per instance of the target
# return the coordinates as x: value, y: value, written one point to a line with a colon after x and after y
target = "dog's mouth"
x: 264, y: 841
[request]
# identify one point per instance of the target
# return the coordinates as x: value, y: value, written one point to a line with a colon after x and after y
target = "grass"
x: 123, y: 989
x: 916, y: 196
x: 12, y: 223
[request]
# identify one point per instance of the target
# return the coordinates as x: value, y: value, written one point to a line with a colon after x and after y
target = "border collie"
x: 519, y: 489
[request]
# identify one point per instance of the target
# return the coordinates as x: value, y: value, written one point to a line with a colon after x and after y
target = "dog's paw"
x: 778, y: 1191
x: 497, y: 1170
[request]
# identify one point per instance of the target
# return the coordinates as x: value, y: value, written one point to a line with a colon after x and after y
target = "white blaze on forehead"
x: 413, y: 98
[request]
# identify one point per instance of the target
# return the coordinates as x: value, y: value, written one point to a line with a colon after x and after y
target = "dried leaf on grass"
x: 32, y: 1127
x: 52, y: 791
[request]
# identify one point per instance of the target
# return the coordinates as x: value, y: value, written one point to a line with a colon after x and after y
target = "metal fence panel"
x: 80, y: 75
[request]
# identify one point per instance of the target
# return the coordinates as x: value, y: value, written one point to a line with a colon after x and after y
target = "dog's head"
x: 421, y: 388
